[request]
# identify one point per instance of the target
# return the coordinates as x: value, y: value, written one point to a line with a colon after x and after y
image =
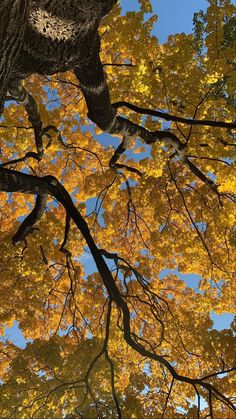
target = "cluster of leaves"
x: 160, y: 219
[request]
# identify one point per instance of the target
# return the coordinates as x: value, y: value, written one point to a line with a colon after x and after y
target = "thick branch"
x: 120, y: 150
x: 32, y: 218
x: 129, y: 129
x: 169, y: 117
x: 94, y: 87
x: 28, y: 155
x: 13, y: 181
x: 19, y: 93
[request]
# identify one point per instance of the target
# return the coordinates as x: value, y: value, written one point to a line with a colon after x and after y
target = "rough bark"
x: 96, y: 93
x: 12, y: 26
x: 53, y: 37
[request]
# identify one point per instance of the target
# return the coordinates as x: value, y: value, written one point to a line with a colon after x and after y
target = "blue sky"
x: 174, y: 16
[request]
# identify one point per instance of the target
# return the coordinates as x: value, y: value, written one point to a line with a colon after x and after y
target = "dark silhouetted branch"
x: 31, y: 219
x: 16, y: 181
x: 168, y: 117
x: 20, y: 94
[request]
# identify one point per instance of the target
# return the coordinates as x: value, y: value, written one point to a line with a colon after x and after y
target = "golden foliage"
x: 163, y: 223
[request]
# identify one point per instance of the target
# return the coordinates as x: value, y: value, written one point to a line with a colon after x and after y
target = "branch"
x: 28, y: 155
x: 167, y: 398
x: 113, y: 385
x: 169, y: 117
x: 129, y: 129
x: 119, y: 65
x: 66, y: 236
x: 120, y: 150
x: 194, y: 169
x: 20, y: 94
x: 218, y: 373
x: 208, y: 158
x: 31, y: 219
x: 28, y: 184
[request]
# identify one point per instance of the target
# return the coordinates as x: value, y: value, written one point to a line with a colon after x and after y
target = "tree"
x: 130, y: 339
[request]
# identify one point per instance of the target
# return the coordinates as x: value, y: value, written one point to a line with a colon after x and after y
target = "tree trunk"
x: 12, y: 25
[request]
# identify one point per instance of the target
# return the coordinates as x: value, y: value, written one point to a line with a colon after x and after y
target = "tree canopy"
x: 92, y: 268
